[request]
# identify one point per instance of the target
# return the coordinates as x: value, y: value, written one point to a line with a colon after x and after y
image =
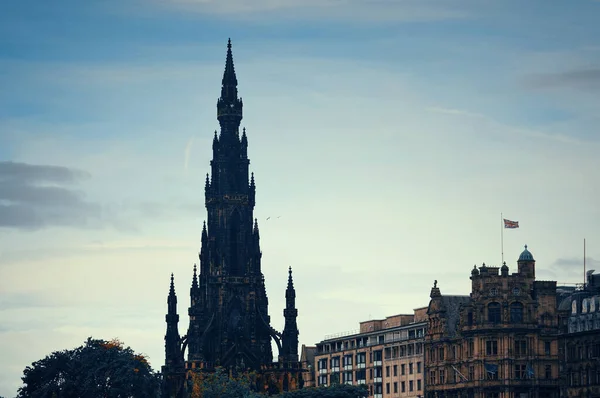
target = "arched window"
x: 494, y: 313
x: 516, y: 312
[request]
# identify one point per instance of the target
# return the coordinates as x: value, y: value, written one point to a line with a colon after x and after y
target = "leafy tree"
x: 219, y: 384
x: 98, y: 368
x: 335, y: 391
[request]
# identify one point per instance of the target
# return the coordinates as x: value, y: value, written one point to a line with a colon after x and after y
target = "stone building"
x: 307, y: 360
x: 229, y: 323
x: 501, y: 341
x: 386, y: 355
x: 579, y: 344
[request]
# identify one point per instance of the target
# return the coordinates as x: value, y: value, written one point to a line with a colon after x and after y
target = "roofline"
x: 367, y: 334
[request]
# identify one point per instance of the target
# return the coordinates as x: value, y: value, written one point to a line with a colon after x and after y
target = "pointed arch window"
x: 494, y: 313
x: 516, y: 312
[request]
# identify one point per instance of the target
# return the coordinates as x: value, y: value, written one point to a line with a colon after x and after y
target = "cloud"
x: 35, y: 196
x: 451, y: 111
x: 576, y: 262
x: 356, y: 10
x: 581, y: 79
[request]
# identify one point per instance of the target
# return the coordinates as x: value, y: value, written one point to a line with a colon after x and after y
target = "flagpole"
x: 502, y: 238
x: 584, y: 275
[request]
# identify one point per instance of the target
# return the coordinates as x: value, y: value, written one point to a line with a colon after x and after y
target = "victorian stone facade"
x: 579, y: 345
x: 229, y: 323
x: 501, y: 341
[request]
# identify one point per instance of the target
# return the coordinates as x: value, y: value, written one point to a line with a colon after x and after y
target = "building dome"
x: 526, y: 255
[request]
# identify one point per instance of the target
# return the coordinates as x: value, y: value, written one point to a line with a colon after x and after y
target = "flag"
x: 511, y: 224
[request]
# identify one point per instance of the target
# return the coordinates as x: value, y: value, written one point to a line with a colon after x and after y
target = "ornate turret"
x: 173, y: 370
x: 290, y: 332
x: 526, y: 264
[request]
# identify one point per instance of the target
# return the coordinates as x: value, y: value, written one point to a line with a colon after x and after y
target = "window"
x: 491, y: 347
x: 395, y: 387
x: 377, y: 355
x: 419, y: 384
x: 547, y: 348
x: 548, y: 371
x: 471, y: 373
x: 323, y: 364
x: 410, y: 385
x: 441, y: 353
x: 519, y: 372
x: 493, y: 291
x: 403, y: 386
x: 419, y: 348
x: 323, y: 380
x: 348, y: 377
x: 418, y: 367
x: 520, y: 347
x: 361, y: 358
x: 402, y: 369
x: 378, y: 372
x: 494, y: 314
x: 432, y: 377
x: 387, y: 372
x: 470, y: 319
x: 334, y: 378
x: 378, y: 389
x: 442, y: 376
x: 516, y: 291
x: 410, y: 368
x: 347, y: 360
x: 387, y: 388
x: 335, y: 364
x: 371, y: 374
x: 395, y: 370
x: 361, y: 374
x: 516, y: 312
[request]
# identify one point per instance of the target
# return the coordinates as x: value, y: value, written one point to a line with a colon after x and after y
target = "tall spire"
x: 195, y: 279
x: 290, y: 331
x: 229, y: 106
x: 173, y: 370
x: 229, y: 88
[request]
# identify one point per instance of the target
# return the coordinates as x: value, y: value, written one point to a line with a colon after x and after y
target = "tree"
x: 219, y: 384
x: 335, y: 391
x: 98, y: 368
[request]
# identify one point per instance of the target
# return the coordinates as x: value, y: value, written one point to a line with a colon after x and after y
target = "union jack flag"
x: 510, y: 224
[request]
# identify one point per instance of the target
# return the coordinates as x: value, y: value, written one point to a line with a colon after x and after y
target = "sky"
x: 388, y: 136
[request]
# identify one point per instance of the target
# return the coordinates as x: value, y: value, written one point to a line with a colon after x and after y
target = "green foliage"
x: 335, y: 391
x: 219, y: 385
x: 99, y: 368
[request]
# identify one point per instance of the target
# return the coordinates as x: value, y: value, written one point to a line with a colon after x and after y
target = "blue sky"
x: 389, y: 136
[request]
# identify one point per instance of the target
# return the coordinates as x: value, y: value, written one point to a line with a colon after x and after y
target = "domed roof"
x: 526, y: 255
